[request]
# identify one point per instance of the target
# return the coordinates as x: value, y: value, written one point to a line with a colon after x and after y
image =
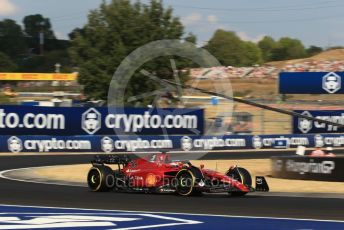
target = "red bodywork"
x: 156, y: 174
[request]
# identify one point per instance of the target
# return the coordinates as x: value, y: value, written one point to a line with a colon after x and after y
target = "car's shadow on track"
x: 202, y: 196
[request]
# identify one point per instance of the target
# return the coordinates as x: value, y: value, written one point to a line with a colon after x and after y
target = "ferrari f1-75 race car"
x: 159, y: 174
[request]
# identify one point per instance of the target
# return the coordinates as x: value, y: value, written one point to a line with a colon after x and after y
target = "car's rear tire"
x: 185, y: 183
x: 100, y: 178
x: 243, y: 176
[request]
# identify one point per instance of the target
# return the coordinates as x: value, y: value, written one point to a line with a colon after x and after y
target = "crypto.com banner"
x: 301, y: 125
x: 311, y: 83
x: 36, y: 120
x: 113, y: 143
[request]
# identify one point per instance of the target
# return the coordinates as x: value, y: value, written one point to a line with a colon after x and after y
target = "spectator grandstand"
x: 266, y: 71
x: 328, y: 61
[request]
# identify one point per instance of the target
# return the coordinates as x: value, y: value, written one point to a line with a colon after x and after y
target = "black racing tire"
x: 185, y: 183
x: 100, y: 178
x: 243, y: 176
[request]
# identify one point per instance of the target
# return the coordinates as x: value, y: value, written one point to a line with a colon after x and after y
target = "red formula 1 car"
x: 159, y: 174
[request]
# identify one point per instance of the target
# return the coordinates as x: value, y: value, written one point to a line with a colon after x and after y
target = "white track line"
x: 177, y: 213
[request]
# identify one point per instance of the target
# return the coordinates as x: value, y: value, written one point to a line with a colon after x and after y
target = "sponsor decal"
x: 186, y: 143
x: 324, y: 167
x: 318, y: 140
x: 210, y: 143
x: 39, y: 76
x: 281, y: 142
x: 292, y: 141
x: 16, y: 145
x: 305, y: 125
x: 91, y: 121
x: 215, y: 142
x: 136, y: 122
x: 311, y: 83
x: 133, y: 170
x: 331, y: 82
x: 151, y: 179
x: 328, y: 127
x: 11, y: 120
x: 334, y: 141
x: 79, y: 121
x: 107, y: 144
x: 257, y: 142
x: 259, y: 180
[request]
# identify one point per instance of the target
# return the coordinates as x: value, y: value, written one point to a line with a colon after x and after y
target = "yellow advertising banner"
x: 38, y: 76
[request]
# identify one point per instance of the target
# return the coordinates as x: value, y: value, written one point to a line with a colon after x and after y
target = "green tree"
x: 191, y: 38
x: 46, y: 63
x: 114, y: 30
x: 12, y: 40
x: 229, y: 49
x: 251, y: 54
x: 226, y: 46
x: 33, y: 24
x: 288, y: 48
x: 266, y: 45
x: 313, y: 50
x: 6, y: 64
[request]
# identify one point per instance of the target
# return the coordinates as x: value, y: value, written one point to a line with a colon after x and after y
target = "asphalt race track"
x: 23, y: 193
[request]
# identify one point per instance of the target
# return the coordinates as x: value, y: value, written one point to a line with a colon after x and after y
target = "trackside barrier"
x: 308, y: 168
x: 301, y: 125
x: 37, y: 120
x: 108, y: 144
x: 311, y: 83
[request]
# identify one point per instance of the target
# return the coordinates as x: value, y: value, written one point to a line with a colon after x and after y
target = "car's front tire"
x: 243, y: 176
x: 100, y: 178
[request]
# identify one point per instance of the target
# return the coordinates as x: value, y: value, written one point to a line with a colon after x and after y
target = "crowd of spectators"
x: 315, y: 66
x: 265, y: 71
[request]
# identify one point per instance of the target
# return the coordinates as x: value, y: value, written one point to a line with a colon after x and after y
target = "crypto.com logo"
x: 171, y: 51
x: 91, y: 121
x: 15, y: 145
x: 257, y: 142
x: 331, y: 82
x: 186, y: 143
x: 305, y: 125
x: 107, y: 144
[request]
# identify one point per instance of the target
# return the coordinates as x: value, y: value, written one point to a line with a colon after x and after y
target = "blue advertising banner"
x: 36, y: 120
x: 311, y: 83
x: 301, y: 125
x: 109, y: 144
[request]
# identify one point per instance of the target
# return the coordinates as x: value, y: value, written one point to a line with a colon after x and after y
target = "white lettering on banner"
x: 54, y: 144
x: 334, y: 119
x: 293, y: 141
x: 136, y: 122
x: 334, y: 141
x: 31, y: 121
x: 16, y: 145
x: 325, y: 167
x: 132, y: 145
x: 208, y: 144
